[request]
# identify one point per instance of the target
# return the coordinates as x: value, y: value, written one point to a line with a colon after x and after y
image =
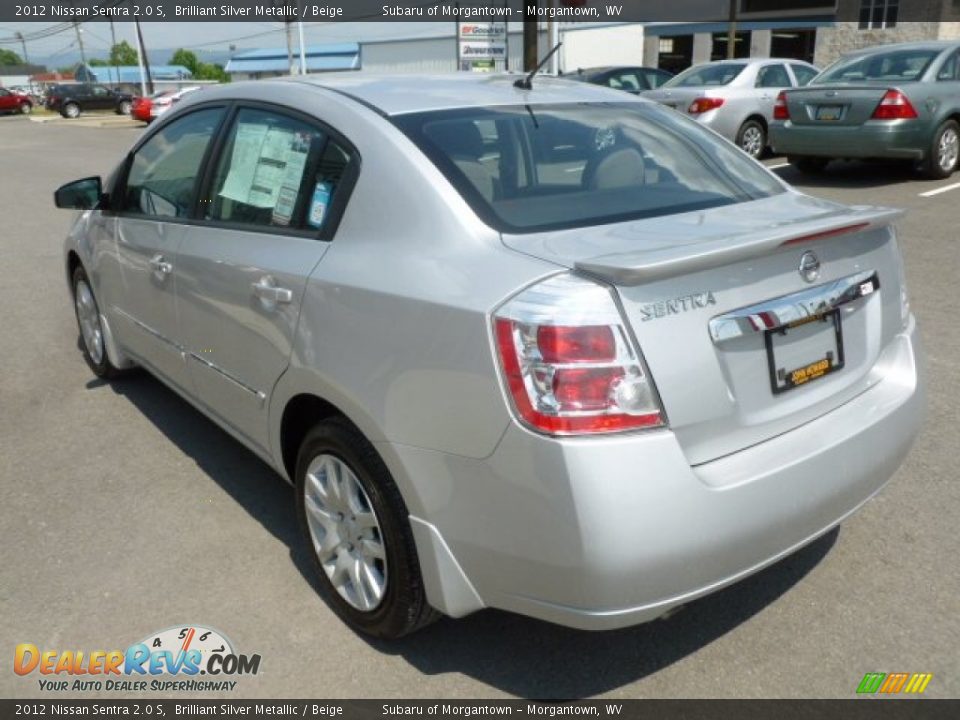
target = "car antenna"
x: 526, y: 83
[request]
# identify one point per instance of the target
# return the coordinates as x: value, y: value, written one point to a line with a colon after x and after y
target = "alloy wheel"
x: 89, y: 320
x: 948, y: 149
x: 752, y: 141
x: 345, y: 532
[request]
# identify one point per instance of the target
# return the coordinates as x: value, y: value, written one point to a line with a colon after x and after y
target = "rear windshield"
x: 703, y: 75
x: 543, y: 167
x: 895, y: 66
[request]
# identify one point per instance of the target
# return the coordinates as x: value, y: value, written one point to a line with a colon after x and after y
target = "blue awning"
x: 320, y: 58
x: 130, y: 73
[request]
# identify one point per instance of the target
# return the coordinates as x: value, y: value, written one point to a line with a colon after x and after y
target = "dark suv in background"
x: 71, y: 100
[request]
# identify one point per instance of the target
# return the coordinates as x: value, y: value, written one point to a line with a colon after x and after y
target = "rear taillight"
x: 568, y: 362
x: 894, y: 106
x: 780, y: 109
x: 702, y: 105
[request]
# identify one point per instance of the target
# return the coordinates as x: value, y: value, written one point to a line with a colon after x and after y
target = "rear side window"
x: 950, y: 70
x: 626, y: 80
x: 895, y: 66
x: 276, y: 171
x: 541, y: 167
x: 163, y: 174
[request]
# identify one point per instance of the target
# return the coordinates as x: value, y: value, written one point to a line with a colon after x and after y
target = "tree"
x: 199, y: 70
x: 211, y: 71
x: 123, y: 54
x: 98, y: 62
x: 9, y: 57
x: 188, y: 59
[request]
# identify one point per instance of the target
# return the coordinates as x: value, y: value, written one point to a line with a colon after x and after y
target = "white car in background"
x: 734, y: 97
x: 163, y: 103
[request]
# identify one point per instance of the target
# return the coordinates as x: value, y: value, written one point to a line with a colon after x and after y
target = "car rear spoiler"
x: 634, y: 268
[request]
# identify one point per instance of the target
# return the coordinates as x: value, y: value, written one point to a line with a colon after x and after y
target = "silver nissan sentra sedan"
x: 554, y: 350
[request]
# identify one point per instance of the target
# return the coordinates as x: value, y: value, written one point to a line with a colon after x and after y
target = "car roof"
x: 399, y: 94
x: 938, y: 45
x: 752, y: 62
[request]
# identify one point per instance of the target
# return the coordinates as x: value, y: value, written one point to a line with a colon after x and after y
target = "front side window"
x: 276, y: 171
x: 162, y: 179
x: 803, y: 74
x: 773, y: 76
x: 542, y: 167
x: 704, y: 75
x: 894, y: 66
x: 100, y: 91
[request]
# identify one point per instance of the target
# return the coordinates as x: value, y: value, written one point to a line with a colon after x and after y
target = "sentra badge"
x: 682, y: 304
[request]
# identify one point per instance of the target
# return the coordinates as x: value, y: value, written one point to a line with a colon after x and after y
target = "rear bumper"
x: 895, y: 140
x: 606, y: 533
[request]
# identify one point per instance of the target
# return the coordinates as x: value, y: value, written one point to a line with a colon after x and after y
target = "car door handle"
x: 160, y: 265
x: 265, y: 289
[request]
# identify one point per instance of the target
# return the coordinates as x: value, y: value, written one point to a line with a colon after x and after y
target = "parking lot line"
x: 945, y: 188
x: 778, y: 165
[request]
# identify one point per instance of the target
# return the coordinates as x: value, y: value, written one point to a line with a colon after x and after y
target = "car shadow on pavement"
x: 514, y: 654
x: 852, y: 174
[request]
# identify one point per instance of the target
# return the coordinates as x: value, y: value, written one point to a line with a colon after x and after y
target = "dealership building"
x: 816, y: 31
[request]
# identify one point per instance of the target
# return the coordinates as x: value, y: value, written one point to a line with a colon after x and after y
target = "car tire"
x: 87, y: 312
x: 809, y: 165
x: 70, y: 110
x: 752, y: 138
x: 944, y: 151
x: 26, y: 108
x: 124, y: 107
x: 340, y: 479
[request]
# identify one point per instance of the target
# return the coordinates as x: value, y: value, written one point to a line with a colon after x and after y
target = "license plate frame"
x: 782, y: 379
x: 829, y: 113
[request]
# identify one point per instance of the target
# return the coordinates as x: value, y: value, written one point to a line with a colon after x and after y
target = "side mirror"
x: 83, y: 194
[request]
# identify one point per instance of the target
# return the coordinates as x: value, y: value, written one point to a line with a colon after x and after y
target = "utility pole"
x: 530, y: 32
x: 113, y: 44
x: 23, y: 42
x: 553, y: 35
x: 303, y: 51
x: 142, y: 49
x: 83, y: 56
x: 289, y: 25
x: 732, y: 31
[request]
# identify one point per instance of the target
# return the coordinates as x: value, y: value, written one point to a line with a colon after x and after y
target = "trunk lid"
x: 700, y: 291
x: 842, y: 105
x: 678, y: 98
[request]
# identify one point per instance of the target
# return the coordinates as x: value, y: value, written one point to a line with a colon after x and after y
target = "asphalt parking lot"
x: 125, y: 511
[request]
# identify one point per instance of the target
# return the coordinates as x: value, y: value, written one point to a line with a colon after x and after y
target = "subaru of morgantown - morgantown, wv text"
x: 545, y: 347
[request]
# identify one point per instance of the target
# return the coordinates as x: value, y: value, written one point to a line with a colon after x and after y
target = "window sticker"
x: 265, y: 160
x: 319, y: 204
x: 286, y: 202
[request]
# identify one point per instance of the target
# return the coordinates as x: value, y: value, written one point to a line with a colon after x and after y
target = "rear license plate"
x: 829, y: 113
x: 804, y: 351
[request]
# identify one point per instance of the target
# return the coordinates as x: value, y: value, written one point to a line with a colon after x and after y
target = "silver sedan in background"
x: 556, y: 350
x: 734, y: 97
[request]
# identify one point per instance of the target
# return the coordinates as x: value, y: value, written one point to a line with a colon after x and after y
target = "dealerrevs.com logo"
x: 182, y: 658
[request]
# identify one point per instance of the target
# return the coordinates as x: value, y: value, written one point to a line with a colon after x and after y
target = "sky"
x: 204, y: 38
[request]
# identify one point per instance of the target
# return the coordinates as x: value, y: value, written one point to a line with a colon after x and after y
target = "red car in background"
x: 12, y: 102
x: 149, y: 108
x: 140, y: 109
